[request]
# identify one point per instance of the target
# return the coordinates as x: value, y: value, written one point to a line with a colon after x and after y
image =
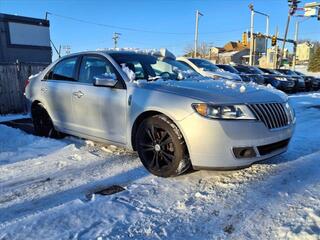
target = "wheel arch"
x: 147, y: 114
x: 34, y: 104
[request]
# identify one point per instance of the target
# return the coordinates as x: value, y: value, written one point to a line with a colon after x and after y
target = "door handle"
x: 78, y: 94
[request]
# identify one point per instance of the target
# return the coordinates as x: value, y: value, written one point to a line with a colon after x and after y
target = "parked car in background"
x: 208, y: 69
x: 278, y: 81
x: 255, y: 75
x: 315, y: 82
x: 301, y: 84
x: 231, y: 69
x: 151, y: 103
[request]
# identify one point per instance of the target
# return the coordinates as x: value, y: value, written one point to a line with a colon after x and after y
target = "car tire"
x: 161, y: 147
x: 42, y: 123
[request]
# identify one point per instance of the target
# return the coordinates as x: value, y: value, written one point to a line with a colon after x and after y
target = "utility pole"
x: 252, y: 42
x: 293, y: 5
x: 267, y: 31
x: 67, y: 49
x: 295, y: 46
x: 115, y: 38
x: 284, y: 40
x: 47, y: 13
x: 276, y: 50
x: 251, y: 35
x: 196, y: 33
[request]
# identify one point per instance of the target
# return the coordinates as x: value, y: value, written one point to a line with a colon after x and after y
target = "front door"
x: 99, y: 111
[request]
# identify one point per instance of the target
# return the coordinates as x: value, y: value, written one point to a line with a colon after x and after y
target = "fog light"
x: 244, y: 152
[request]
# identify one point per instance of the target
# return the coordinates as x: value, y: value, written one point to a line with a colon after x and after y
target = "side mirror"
x: 105, y: 80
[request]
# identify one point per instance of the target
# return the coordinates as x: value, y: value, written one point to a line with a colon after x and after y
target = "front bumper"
x: 286, y: 86
x: 211, y: 142
x: 300, y: 85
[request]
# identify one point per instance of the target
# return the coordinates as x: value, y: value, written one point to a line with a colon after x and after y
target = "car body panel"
x: 211, y: 74
x: 108, y: 114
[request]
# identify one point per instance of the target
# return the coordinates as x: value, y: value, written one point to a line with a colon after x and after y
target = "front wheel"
x: 161, y: 147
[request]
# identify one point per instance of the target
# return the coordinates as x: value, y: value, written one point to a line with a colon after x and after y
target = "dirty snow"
x: 46, y: 191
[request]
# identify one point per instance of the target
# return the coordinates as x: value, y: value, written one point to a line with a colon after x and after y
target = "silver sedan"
x: 173, y: 117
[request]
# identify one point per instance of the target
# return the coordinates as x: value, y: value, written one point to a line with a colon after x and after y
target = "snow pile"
x: 16, y: 145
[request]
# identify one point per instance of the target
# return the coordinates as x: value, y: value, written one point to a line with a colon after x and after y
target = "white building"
x: 304, y: 51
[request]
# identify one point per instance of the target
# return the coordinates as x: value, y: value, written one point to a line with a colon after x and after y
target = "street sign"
x: 310, y: 12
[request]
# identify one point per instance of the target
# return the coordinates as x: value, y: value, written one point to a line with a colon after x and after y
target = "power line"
x: 139, y: 30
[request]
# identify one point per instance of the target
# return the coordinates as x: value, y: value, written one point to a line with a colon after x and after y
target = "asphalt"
x: 24, y: 124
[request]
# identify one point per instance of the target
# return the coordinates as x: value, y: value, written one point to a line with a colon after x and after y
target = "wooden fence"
x: 12, y: 83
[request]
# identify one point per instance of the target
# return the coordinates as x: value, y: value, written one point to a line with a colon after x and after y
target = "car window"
x: 137, y: 68
x: 148, y: 67
x: 228, y: 68
x: 206, y: 65
x: 184, y: 63
x: 242, y: 69
x: 64, y: 70
x: 95, y: 67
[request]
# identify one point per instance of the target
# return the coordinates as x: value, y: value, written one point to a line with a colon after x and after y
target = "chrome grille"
x: 273, y: 115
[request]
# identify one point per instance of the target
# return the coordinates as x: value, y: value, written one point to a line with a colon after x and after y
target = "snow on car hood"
x: 217, y: 91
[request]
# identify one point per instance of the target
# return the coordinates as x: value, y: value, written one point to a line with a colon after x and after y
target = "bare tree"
x: 203, y: 50
x: 188, y: 51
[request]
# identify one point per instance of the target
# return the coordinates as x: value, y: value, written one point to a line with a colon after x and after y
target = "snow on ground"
x: 303, y: 69
x: 46, y: 186
x: 9, y: 117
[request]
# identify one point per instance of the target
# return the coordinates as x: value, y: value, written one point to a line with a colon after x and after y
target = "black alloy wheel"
x: 161, y: 147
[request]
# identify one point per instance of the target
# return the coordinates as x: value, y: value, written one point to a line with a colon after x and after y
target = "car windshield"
x: 228, y: 68
x: 270, y: 71
x: 150, y: 67
x: 249, y: 69
x: 206, y: 65
x: 274, y: 71
x: 256, y: 70
x: 299, y: 73
x: 288, y: 72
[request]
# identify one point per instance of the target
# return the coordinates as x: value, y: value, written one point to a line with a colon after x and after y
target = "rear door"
x: 99, y: 111
x: 56, y: 90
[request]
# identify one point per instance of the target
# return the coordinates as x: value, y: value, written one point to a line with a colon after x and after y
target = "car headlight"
x: 291, y: 112
x: 223, y: 111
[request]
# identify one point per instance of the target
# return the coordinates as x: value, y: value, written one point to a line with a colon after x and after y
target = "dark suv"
x: 278, y: 80
x: 314, y: 83
x: 249, y: 73
x: 301, y: 84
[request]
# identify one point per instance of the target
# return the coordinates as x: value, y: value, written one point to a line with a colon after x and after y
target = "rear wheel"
x: 161, y: 147
x: 42, y: 123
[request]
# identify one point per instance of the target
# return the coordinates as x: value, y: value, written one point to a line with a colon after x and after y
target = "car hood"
x: 217, y: 91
